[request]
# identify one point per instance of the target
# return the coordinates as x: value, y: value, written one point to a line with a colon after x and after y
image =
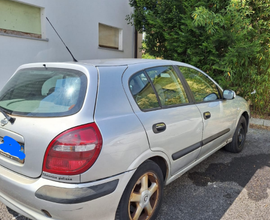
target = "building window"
x: 20, y: 19
x: 110, y: 37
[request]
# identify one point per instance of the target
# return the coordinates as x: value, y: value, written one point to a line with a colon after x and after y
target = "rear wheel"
x: 239, y: 137
x: 141, y: 199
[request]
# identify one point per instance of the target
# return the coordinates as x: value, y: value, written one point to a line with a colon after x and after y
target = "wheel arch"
x: 246, y: 116
x: 160, y: 158
x: 162, y: 163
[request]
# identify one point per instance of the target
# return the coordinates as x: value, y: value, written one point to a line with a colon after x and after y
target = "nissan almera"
x: 100, y: 139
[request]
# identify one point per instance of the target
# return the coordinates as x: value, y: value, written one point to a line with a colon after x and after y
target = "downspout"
x: 136, y: 44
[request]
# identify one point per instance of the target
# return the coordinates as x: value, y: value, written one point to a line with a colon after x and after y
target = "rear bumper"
x: 75, y: 195
x: 34, y: 197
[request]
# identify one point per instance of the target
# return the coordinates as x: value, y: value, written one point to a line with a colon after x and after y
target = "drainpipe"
x: 136, y: 44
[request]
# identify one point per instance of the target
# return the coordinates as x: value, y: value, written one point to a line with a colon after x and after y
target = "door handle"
x: 159, y: 127
x: 206, y: 115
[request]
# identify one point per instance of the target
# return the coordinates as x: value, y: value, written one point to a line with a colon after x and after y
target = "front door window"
x: 203, y: 88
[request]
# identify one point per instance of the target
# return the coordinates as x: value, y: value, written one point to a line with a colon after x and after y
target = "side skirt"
x: 177, y: 155
x: 181, y: 172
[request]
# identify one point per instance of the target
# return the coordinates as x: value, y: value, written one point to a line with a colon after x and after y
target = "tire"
x: 239, y: 137
x: 142, y: 197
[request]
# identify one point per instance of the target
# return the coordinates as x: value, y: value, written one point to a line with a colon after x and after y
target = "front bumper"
x: 41, y: 198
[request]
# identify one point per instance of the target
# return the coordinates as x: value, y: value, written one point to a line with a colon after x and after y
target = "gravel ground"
x: 225, y: 186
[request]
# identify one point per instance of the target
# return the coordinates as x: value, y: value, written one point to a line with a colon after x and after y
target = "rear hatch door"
x: 44, y: 100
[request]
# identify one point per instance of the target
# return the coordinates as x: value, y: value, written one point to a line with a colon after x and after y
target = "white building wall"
x: 77, y: 23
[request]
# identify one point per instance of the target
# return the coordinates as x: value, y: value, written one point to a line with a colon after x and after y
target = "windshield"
x: 44, y: 92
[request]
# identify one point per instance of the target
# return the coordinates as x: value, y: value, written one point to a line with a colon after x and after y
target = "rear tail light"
x: 73, y: 151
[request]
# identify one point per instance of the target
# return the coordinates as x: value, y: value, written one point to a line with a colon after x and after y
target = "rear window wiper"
x: 10, y: 119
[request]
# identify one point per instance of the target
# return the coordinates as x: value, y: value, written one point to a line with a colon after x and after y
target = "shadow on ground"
x: 240, y: 170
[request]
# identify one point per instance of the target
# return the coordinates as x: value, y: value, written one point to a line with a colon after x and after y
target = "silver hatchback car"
x: 99, y: 139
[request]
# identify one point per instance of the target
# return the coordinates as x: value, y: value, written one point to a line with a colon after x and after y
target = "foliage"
x: 228, y: 39
x: 147, y: 56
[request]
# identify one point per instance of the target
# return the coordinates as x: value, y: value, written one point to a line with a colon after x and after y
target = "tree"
x: 228, y: 39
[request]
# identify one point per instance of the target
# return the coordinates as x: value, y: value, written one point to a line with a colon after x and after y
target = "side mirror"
x: 228, y: 94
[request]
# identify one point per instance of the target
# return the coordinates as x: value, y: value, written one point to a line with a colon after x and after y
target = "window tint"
x: 202, y: 87
x: 168, y: 85
x: 143, y: 92
x: 44, y: 92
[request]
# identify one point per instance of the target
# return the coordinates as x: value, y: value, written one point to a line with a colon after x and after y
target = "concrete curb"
x: 258, y: 121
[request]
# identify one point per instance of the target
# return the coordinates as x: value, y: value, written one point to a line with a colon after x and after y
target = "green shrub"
x: 228, y: 39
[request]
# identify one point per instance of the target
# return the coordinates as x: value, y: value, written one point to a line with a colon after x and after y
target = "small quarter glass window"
x: 168, y: 86
x: 203, y: 88
x: 143, y: 92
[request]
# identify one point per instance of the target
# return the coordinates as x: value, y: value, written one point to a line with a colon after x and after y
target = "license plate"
x: 9, y: 155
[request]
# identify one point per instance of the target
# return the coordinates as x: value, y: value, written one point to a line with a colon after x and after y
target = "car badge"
x: 4, y: 122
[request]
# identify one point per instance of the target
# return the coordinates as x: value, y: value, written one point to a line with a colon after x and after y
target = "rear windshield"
x: 41, y: 92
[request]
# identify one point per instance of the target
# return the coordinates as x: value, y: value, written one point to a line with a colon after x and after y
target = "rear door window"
x: 157, y: 87
x: 44, y: 92
x: 143, y: 92
x: 168, y: 86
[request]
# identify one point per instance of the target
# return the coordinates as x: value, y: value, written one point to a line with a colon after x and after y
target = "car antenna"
x: 62, y: 40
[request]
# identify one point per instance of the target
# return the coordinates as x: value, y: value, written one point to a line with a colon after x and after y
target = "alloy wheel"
x: 144, y: 197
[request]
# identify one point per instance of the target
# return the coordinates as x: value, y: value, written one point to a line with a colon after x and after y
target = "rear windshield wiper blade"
x: 10, y: 119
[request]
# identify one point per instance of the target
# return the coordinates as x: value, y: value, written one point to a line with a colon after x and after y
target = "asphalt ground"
x: 225, y: 186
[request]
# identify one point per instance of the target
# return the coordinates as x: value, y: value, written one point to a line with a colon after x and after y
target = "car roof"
x: 123, y: 62
x: 106, y: 63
